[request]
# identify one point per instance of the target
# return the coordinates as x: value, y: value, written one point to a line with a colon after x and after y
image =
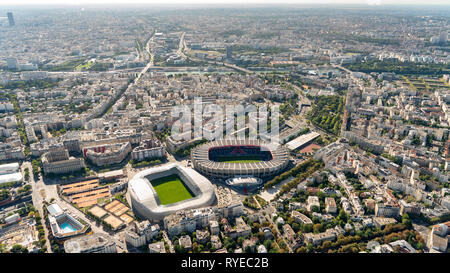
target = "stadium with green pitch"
x: 171, y: 189
x: 160, y: 191
x: 226, y: 158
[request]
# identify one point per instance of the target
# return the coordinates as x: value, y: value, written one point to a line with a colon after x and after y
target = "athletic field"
x: 170, y: 189
x: 239, y: 159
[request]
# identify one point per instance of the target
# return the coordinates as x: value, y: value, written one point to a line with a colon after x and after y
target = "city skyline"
x: 221, y: 2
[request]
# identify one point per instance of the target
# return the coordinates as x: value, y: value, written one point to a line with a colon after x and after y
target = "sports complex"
x: 236, y: 158
x: 160, y: 191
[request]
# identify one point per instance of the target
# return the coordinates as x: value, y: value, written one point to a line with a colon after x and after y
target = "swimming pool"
x: 66, y: 227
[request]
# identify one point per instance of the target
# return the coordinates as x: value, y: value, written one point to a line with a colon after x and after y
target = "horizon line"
x: 222, y: 4
x: 74, y: 3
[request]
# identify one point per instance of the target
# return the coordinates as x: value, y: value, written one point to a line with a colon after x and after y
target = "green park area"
x: 171, y: 189
x: 84, y: 66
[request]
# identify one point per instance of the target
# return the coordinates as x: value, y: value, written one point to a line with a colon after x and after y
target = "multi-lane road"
x: 40, y: 193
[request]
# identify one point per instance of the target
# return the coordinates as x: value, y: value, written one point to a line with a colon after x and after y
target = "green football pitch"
x: 239, y: 159
x: 171, y: 189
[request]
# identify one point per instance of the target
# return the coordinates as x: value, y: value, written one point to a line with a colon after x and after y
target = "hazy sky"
x: 85, y: 2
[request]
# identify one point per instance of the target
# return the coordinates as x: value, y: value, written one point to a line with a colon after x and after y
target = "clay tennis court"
x: 126, y: 218
x: 98, y: 211
x: 117, y: 208
x: 113, y: 221
x: 90, y: 197
x: 79, y: 186
x: 311, y: 148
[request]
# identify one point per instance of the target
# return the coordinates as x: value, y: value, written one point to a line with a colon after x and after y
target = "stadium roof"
x: 142, y: 189
x: 301, y: 140
x: 200, y: 157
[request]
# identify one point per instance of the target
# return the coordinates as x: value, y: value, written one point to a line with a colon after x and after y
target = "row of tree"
x: 327, y: 112
x: 300, y: 168
x: 144, y: 163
